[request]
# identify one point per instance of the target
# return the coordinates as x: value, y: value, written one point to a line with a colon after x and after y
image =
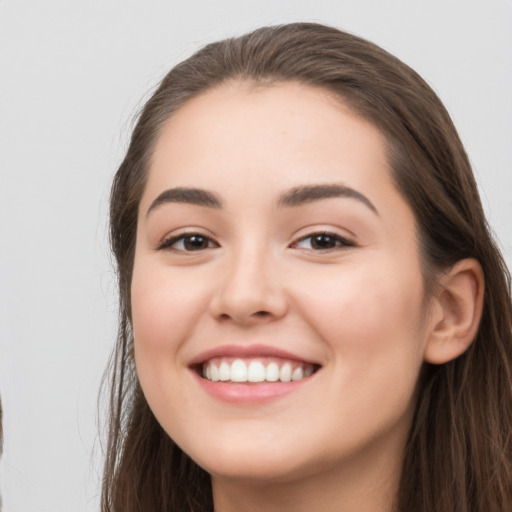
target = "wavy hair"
x: 459, y: 452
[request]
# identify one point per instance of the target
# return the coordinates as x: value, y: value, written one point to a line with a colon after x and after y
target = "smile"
x: 252, y: 374
x: 255, y: 370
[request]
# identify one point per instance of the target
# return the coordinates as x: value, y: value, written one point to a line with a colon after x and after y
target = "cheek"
x: 370, y: 318
x: 165, y: 305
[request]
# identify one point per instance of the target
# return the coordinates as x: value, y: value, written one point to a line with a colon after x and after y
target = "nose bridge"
x: 250, y: 289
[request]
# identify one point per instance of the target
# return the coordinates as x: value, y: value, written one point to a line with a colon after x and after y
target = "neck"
x: 368, y: 485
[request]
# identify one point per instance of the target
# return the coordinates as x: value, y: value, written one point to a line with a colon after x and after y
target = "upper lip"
x: 246, y: 351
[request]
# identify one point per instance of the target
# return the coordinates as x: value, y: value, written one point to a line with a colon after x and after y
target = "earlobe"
x: 459, y: 303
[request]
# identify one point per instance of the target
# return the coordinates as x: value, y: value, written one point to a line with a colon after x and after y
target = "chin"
x: 253, y: 462
x: 257, y: 472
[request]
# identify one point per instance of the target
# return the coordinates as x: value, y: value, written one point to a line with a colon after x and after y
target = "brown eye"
x: 188, y: 243
x: 323, y: 242
x: 195, y: 242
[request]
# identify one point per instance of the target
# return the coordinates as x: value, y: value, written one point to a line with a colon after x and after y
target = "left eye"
x: 188, y: 243
x: 323, y: 242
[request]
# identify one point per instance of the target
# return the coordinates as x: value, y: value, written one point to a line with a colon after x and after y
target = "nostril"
x: 250, y: 318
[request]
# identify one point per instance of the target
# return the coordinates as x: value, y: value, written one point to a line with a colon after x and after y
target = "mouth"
x: 246, y: 375
x: 255, y: 370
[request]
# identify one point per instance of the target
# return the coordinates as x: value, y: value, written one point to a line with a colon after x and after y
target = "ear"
x: 458, y: 310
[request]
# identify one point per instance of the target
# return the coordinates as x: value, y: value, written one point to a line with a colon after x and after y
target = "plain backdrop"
x: 72, y: 74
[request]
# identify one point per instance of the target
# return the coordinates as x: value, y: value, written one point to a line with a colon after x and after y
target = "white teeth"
x: 285, y: 375
x: 298, y: 373
x: 215, y: 373
x: 224, y: 371
x: 272, y: 372
x: 256, y: 370
x: 238, y: 371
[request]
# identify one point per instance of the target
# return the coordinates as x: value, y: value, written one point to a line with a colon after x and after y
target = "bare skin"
x: 270, y: 222
x: 366, y: 486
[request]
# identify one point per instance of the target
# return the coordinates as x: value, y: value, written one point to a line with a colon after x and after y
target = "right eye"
x: 188, y: 242
x: 323, y: 242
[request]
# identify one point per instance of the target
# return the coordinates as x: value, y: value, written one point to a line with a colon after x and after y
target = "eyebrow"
x: 309, y: 193
x: 294, y: 197
x: 195, y: 196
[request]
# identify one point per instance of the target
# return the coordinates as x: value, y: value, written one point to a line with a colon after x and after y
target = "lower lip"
x: 250, y: 392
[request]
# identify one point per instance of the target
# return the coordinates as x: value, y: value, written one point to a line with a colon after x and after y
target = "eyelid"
x: 345, y: 242
x: 169, y: 240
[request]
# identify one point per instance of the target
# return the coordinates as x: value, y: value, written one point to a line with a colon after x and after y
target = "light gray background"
x: 71, y: 76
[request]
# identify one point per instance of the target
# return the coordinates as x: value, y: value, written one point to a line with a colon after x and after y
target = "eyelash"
x: 339, y: 241
x: 168, y: 243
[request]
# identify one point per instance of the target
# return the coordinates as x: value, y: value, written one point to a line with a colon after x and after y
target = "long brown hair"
x: 459, y: 453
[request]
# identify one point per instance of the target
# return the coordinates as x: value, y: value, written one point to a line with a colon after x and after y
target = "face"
x: 277, y: 296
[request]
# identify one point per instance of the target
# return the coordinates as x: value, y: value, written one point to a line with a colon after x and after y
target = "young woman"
x: 314, y: 315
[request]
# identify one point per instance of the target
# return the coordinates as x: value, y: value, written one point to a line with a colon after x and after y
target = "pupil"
x: 195, y: 242
x: 323, y: 242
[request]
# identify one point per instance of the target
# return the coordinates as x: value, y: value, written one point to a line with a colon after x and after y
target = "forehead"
x: 259, y: 129
x: 270, y: 111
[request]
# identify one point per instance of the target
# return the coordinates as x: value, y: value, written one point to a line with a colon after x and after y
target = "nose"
x: 249, y: 291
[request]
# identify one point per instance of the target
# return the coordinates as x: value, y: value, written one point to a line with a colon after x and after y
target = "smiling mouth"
x: 255, y: 370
